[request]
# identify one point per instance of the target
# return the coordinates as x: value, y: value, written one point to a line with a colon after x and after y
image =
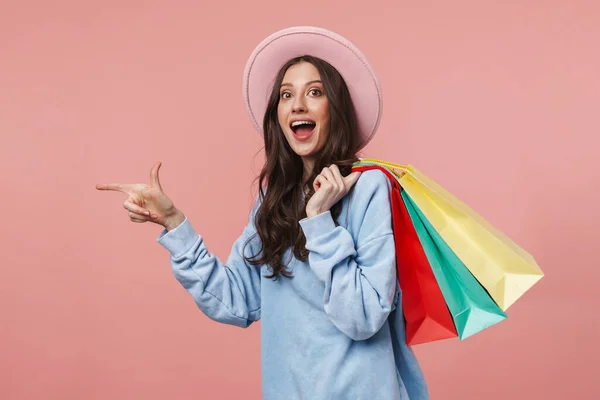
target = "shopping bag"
x: 503, y: 268
x: 426, y: 314
x: 472, y: 309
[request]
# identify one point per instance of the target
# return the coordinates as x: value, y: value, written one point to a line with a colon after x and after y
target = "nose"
x: 299, y: 105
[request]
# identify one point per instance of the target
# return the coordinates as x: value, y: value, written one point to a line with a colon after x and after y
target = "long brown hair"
x: 282, y: 205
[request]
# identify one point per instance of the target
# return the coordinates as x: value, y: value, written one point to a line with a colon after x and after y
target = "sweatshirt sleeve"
x: 227, y: 293
x: 359, y: 273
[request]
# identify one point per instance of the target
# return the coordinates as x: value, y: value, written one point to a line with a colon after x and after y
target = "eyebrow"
x: 306, y: 84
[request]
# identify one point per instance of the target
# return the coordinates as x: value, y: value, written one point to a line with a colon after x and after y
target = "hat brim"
x: 274, y: 51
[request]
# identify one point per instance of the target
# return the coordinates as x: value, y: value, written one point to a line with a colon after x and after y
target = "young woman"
x: 316, y: 261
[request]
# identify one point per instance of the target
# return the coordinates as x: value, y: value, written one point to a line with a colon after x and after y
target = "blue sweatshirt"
x: 333, y: 331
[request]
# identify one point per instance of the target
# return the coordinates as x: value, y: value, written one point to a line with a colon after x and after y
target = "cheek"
x: 283, y: 109
x: 280, y: 116
x: 324, y: 111
x: 325, y: 116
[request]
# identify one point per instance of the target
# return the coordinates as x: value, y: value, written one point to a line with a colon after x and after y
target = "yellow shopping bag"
x: 503, y: 268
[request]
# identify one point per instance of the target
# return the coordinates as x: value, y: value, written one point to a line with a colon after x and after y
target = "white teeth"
x: 296, y: 123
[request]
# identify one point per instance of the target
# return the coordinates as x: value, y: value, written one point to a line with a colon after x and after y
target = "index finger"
x: 337, y: 174
x: 114, y: 186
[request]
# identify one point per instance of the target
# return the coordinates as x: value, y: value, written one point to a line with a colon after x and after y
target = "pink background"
x: 497, y: 101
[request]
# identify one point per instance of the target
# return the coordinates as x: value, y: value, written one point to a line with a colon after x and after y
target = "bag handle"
x: 390, y: 164
x: 386, y: 164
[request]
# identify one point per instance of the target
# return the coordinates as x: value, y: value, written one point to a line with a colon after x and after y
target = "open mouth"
x: 303, y: 128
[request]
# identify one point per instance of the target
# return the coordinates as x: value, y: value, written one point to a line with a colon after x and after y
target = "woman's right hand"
x: 148, y: 202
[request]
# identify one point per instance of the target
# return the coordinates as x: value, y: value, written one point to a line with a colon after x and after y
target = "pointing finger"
x: 120, y: 187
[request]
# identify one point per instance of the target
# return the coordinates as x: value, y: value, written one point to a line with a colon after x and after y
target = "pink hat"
x: 274, y: 51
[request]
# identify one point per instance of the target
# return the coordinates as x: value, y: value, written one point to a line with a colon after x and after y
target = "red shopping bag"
x: 425, y: 311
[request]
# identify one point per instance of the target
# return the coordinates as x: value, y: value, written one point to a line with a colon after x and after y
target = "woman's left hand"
x: 330, y: 187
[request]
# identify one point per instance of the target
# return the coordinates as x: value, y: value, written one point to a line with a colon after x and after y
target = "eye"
x: 317, y: 91
x: 283, y: 95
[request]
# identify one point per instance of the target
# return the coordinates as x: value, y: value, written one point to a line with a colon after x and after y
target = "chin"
x: 305, y: 153
x: 305, y: 149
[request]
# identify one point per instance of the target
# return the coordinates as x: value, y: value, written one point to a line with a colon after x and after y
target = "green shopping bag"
x: 470, y: 305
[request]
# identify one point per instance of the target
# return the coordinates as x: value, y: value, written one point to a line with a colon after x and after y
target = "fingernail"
x: 146, y: 213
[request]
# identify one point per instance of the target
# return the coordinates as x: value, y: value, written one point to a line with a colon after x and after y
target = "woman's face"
x: 303, y: 110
